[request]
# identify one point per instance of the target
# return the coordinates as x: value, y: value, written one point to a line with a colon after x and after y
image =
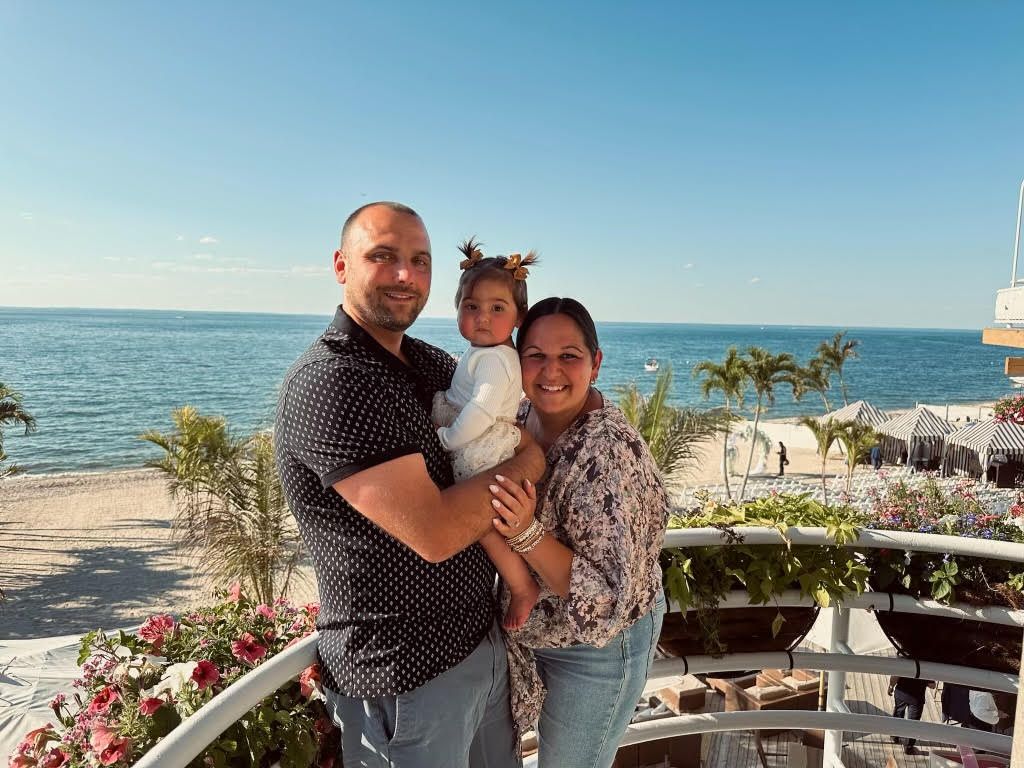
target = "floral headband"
x: 515, y: 263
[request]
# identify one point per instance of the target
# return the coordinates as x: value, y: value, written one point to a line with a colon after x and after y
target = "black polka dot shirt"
x: 389, y: 620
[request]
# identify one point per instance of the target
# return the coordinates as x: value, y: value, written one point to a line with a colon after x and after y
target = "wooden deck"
x: 865, y: 694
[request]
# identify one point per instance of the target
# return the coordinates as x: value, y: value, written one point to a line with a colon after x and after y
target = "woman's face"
x: 558, y: 369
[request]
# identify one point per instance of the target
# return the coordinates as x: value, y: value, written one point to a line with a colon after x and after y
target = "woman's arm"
x: 612, y: 515
x: 550, y: 559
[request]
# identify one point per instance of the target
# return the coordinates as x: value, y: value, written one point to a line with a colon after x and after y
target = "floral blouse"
x: 603, y: 498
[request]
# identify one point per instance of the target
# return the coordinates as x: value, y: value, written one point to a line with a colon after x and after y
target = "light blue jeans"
x: 592, y: 694
x: 462, y: 718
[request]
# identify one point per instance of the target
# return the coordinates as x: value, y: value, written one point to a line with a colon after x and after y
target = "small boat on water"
x: 651, y: 365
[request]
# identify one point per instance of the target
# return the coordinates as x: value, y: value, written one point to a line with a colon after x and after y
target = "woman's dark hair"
x: 559, y: 306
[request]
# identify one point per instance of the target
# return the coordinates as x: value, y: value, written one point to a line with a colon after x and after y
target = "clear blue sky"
x: 785, y: 162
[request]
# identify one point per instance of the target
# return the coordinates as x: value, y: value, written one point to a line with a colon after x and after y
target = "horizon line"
x: 452, y: 317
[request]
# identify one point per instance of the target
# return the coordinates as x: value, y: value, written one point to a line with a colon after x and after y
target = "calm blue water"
x: 95, y: 379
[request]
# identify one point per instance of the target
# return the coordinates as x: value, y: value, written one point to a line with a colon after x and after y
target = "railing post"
x: 1017, y: 757
x: 835, y: 700
x: 1016, y: 238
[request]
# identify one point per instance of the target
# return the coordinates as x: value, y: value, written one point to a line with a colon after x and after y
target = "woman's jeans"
x: 592, y: 694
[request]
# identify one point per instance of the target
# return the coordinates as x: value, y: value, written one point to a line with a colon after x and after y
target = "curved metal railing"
x: 193, y: 735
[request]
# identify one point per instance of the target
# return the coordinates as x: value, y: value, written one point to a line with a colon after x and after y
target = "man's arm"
x: 400, y: 497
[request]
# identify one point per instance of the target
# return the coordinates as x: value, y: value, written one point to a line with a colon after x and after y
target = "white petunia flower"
x: 175, y: 678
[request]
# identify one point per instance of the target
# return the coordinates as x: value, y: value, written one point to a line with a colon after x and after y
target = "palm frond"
x: 232, y: 514
x: 673, y: 435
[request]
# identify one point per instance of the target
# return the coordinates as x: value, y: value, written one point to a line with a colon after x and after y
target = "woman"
x: 594, y: 542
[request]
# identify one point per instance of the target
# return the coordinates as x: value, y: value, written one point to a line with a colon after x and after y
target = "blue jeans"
x: 460, y: 718
x: 592, y: 694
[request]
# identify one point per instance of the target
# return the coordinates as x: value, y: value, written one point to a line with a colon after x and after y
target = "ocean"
x: 96, y: 379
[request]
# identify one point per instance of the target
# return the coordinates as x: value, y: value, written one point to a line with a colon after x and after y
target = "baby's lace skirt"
x: 494, y: 446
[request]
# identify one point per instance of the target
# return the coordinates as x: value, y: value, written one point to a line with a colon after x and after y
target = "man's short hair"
x: 351, y: 220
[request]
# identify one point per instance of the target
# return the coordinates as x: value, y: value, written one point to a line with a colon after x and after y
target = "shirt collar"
x: 343, y: 323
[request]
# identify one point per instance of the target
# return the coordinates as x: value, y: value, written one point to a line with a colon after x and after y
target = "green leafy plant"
x: 765, y: 371
x: 834, y: 354
x: 729, y: 378
x: 137, y: 688
x: 925, y: 507
x: 700, y: 577
x: 12, y: 412
x: 231, y: 511
x: 674, y: 435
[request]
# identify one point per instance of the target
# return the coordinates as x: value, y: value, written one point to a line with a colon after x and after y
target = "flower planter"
x: 947, y: 640
x: 741, y: 630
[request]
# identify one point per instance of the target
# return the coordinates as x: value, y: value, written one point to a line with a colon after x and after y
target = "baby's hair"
x: 511, y: 269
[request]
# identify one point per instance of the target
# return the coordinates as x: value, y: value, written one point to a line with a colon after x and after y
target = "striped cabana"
x: 861, y: 411
x: 970, y: 450
x: 919, y: 432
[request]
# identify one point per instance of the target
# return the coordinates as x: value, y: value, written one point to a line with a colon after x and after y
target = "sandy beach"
x: 82, y: 551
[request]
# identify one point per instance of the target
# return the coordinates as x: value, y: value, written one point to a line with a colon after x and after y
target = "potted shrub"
x: 698, y: 578
x: 925, y: 507
x: 136, y: 688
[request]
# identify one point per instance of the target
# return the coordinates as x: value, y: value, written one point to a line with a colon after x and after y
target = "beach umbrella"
x: 919, y: 431
x: 861, y: 411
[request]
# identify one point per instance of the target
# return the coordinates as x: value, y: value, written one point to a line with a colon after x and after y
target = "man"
x: 908, y: 697
x: 413, y: 663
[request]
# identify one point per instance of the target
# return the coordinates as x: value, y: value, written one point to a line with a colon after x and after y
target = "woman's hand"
x: 515, y: 505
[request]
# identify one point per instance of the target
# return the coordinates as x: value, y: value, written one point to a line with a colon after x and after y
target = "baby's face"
x: 487, y: 313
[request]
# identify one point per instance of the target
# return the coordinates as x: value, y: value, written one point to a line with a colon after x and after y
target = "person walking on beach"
x: 476, y: 416
x: 876, y: 457
x: 783, y: 460
x: 908, y: 701
x: 412, y: 659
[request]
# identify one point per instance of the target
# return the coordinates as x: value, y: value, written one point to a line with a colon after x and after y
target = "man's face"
x: 385, y: 268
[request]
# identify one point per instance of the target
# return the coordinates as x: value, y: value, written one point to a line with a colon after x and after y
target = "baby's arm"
x: 491, y: 380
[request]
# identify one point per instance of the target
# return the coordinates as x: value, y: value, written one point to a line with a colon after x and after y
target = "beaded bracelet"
x: 527, y: 538
x: 529, y: 546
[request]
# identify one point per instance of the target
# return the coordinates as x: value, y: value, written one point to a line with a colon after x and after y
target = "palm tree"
x: 672, y: 434
x: 765, y: 371
x: 232, y: 513
x: 834, y: 353
x: 816, y: 377
x: 728, y: 377
x: 826, y: 432
x: 857, y: 439
x: 12, y: 412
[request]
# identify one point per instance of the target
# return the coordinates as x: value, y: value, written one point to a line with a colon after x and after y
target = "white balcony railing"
x: 191, y: 737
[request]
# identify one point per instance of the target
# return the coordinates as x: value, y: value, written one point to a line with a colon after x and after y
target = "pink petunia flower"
x: 266, y: 611
x: 150, y: 705
x: 309, y: 680
x: 55, y: 758
x: 101, y: 702
x: 108, y: 746
x: 156, y: 628
x: 235, y: 592
x: 205, y: 674
x: 247, y: 649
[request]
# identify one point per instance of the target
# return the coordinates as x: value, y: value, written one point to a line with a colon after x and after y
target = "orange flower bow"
x: 471, y: 249
x: 517, y: 265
